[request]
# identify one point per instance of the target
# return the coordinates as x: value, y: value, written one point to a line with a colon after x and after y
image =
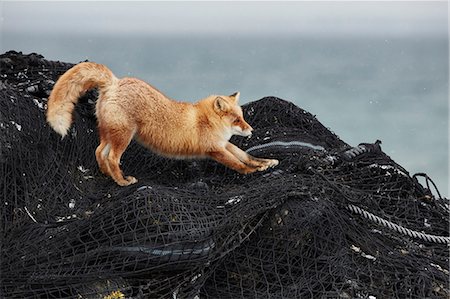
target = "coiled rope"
x: 355, y: 209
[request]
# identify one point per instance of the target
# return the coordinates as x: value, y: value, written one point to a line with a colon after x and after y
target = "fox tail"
x: 69, y: 87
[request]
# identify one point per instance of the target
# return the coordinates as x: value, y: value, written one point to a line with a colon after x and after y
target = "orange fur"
x: 129, y: 108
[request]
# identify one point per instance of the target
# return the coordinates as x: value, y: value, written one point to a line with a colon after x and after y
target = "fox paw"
x: 129, y: 180
x: 262, y: 167
x: 272, y: 163
x: 269, y: 163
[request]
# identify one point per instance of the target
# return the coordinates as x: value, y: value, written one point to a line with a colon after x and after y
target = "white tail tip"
x: 60, y: 124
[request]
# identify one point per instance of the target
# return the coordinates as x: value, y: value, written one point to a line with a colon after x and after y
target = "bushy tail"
x: 69, y: 87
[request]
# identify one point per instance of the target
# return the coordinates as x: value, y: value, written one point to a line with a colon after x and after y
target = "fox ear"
x: 220, y: 105
x: 235, y: 96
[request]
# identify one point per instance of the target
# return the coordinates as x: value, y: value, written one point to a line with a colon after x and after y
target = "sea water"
x: 363, y: 88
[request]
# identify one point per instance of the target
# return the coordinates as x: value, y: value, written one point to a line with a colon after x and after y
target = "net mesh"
x: 195, y: 229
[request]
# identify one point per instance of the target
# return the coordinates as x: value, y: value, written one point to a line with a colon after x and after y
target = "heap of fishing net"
x: 331, y: 221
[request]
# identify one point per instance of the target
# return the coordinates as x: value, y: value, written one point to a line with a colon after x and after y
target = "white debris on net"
x: 22, y: 75
x: 39, y: 104
x: 64, y: 218
x: 388, y: 167
x: 358, y: 250
x: 32, y: 89
x: 72, y: 203
x: 234, y: 200
x: 175, y: 294
x: 368, y: 256
x: 82, y: 169
x: 331, y: 159
x: 440, y: 268
x: 355, y: 249
x: 196, y: 277
x: 18, y: 126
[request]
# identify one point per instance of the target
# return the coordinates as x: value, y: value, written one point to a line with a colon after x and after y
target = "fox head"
x: 230, y: 112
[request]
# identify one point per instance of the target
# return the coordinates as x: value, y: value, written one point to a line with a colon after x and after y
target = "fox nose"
x: 249, y: 131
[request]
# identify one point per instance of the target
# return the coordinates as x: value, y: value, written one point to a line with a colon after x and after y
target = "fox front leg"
x: 258, y: 163
x: 225, y: 157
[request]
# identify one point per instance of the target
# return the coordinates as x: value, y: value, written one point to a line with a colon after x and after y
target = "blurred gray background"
x: 368, y: 70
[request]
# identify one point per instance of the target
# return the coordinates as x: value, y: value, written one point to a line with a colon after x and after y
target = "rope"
x: 398, y: 228
x: 285, y: 144
x: 358, y: 210
x: 427, y: 180
x: 361, y: 149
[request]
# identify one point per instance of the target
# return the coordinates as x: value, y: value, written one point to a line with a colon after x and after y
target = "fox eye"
x: 236, y: 121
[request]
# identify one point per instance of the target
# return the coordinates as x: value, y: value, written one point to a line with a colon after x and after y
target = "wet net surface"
x: 194, y: 229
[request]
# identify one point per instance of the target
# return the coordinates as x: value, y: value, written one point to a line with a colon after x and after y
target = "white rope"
x: 285, y: 144
x: 398, y: 228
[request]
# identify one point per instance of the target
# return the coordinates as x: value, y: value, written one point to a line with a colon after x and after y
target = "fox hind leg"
x: 119, y: 139
x: 101, y: 154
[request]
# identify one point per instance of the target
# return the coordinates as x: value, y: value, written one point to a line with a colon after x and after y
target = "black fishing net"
x: 331, y: 221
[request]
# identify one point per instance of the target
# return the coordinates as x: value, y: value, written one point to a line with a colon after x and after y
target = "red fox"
x: 129, y: 108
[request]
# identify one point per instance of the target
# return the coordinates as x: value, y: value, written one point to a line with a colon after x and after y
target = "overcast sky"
x: 338, y: 17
